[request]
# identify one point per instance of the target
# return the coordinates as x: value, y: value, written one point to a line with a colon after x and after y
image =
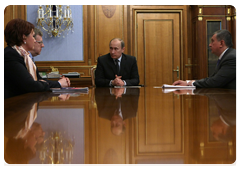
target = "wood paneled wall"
x: 101, y: 24
x: 104, y: 22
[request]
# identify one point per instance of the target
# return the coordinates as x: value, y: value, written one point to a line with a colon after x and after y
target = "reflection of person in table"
x: 225, y: 102
x: 21, y: 133
x: 38, y: 132
x: 117, y: 105
x: 222, y: 128
x: 21, y: 148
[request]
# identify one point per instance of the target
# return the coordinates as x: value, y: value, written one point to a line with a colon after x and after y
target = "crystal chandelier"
x: 55, y: 19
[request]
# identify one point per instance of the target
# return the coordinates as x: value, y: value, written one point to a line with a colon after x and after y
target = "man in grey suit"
x: 116, y: 68
x: 224, y: 75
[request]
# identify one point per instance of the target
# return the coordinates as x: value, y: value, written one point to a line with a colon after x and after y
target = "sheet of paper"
x: 178, y: 87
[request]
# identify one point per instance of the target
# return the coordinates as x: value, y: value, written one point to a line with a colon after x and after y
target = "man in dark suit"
x: 224, y: 75
x: 116, y: 68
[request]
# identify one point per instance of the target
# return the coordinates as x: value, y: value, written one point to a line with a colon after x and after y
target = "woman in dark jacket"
x: 20, y: 73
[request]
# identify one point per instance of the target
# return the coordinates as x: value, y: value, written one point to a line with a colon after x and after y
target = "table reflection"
x: 25, y: 138
x: 222, y: 113
x: 222, y: 110
x: 121, y: 126
x: 116, y: 105
x: 21, y: 134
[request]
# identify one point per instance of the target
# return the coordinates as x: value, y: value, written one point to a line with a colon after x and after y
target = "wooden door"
x: 158, y: 47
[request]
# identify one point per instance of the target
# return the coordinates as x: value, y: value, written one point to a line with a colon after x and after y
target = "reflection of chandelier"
x: 55, y: 20
x: 56, y: 149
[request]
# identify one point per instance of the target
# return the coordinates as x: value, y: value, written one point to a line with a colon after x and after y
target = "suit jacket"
x: 106, y: 70
x: 224, y: 75
x: 17, y: 79
x: 107, y: 103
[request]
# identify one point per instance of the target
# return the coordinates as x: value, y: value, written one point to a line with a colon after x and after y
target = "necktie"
x: 218, y: 62
x: 117, y: 65
x: 119, y: 108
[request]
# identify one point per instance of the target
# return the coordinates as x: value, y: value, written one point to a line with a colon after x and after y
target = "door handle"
x: 177, y: 70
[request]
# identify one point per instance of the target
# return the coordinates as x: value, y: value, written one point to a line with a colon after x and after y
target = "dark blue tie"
x: 117, y: 65
x: 218, y: 62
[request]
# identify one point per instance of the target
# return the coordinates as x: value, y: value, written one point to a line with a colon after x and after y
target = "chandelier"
x: 55, y: 19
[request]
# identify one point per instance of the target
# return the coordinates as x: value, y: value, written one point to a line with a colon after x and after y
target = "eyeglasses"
x: 40, y: 42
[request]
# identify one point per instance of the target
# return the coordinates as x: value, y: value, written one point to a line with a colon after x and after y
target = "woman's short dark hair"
x: 14, y: 31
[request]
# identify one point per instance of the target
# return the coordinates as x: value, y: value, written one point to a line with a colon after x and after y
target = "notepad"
x: 177, y: 87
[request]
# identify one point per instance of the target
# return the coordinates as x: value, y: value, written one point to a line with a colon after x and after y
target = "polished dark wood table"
x: 78, y: 82
x: 146, y: 125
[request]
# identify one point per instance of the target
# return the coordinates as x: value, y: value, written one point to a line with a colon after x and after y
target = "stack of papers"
x: 171, y: 88
x: 177, y: 87
x: 70, y: 90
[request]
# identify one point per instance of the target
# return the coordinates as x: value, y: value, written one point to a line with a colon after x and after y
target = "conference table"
x: 134, y: 125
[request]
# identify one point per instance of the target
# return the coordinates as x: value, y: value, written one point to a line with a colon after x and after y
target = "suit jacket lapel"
x: 223, y: 57
x: 122, y: 64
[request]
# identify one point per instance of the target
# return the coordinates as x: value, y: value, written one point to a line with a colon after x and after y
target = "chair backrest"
x: 93, y: 75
